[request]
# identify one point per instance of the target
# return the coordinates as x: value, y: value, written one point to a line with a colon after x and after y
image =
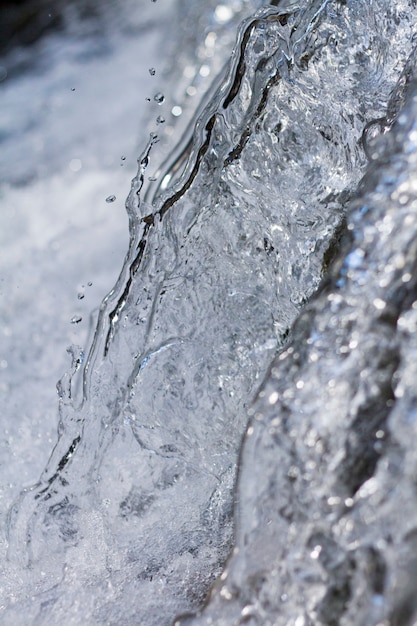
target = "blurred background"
x: 77, y: 103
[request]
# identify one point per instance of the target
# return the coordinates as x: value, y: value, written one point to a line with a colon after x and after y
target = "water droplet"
x: 147, y: 99
x: 223, y: 14
x: 176, y: 111
x: 110, y: 199
x: 90, y: 284
x: 76, y: 319
x: 160, y: 119
x: 204, y: 71
x: 72, y: 88
x: 80, y: 295
x: 152, y: 71
x: 159, y: 97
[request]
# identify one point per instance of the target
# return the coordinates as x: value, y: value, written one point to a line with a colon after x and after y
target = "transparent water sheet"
x: 219, y: 267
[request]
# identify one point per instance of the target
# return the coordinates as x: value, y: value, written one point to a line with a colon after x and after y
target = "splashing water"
x: 295, y: 191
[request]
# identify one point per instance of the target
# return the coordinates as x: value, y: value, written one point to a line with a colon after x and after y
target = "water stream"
x: 244, y: 411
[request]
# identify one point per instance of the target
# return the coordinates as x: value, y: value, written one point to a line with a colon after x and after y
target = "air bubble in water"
x: 372, y: 138
x: 110, y: 199
x: 76, y: 319
x: 159, y: 97
x: 160, y: 119
x: 152, y: 71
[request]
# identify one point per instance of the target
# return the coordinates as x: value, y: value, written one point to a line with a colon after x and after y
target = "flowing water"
x: 248, y: 389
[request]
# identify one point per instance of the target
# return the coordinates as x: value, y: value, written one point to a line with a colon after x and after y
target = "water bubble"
x: 80, y: 295
x: 90, y: 284
x: 159, y: 97
x: 110, y: 199
x: 123, y: 158
x: 371, y: 138
x: 72, y: 88
x: 160, y: 119
x: 176, y: 111
x: 76, y: 319
x: 152, y: 71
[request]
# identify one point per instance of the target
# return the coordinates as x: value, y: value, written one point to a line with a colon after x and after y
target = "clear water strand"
x: 72, y: 424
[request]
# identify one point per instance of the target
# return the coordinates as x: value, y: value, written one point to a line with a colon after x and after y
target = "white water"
x: 132, y: 518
